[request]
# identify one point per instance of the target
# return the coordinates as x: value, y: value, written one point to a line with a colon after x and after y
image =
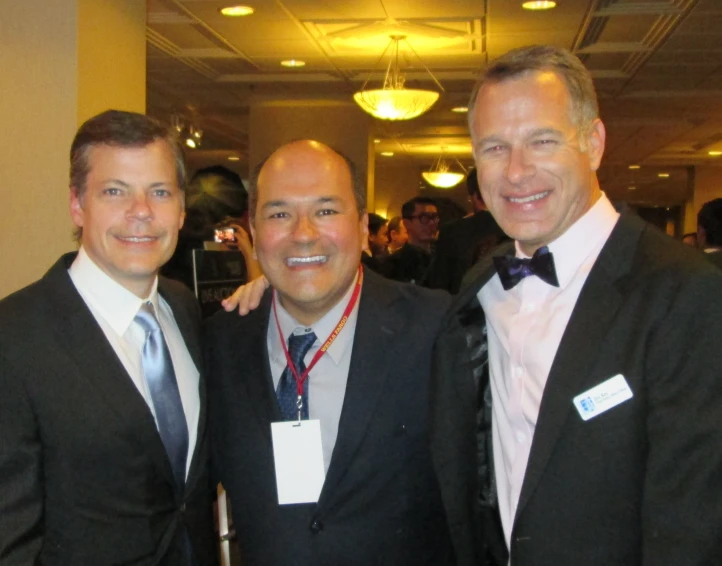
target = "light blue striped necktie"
x: 164, y: 393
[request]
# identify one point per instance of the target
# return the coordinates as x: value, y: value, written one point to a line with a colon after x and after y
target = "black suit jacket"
x: 461, y: 244
x: 84, y: 476
x: 638, y: 484
x: 380, y: 502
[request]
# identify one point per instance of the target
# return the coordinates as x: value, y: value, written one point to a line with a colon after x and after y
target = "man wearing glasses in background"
x: 411, y: 262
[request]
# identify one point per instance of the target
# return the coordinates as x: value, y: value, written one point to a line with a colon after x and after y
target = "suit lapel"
x: 376, y: 327
x: 593, y: 313
x: 252, y: 355
x: 97, y: 363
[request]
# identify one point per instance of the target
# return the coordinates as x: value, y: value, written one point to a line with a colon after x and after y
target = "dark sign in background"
x: 216, y: 274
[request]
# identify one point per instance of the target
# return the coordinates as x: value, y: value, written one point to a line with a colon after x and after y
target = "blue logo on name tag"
x: 587, y: 405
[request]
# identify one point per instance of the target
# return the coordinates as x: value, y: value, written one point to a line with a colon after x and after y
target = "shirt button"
x: 520, y: 436
x: 316, y: 526
x: 518, y: 371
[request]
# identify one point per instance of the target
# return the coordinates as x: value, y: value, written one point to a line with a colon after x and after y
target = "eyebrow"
x: 534, y: 133
x: 126, y: 185
x: 280, y: 202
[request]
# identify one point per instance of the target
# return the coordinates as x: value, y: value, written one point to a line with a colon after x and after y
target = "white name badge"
x: 298, y: 456
x: 603, y: 397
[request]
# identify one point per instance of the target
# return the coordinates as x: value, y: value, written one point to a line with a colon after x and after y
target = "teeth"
x: 138, y: 239
x: 531, y: 198
x: 291, y: 261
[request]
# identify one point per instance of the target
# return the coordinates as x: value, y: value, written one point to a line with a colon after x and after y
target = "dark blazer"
x: 409, y: 264
x: 461, y: 244
x: 638, y: 484
x: 84, y: 476
x: 380, y: 503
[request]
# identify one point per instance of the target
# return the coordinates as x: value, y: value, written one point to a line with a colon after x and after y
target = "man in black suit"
x: 464, y: 242
x: 410, y: 263
x: 368, y: 491
x: 709, y: 230
x: 576, y: 395
x: 103, y: 450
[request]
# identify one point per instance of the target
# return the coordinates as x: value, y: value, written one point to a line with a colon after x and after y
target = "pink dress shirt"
x: 525, y: 326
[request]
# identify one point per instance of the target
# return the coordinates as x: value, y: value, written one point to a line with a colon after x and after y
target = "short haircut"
x: 394, y: 224
x: 710, y: 219
x: 117, y: 128
x: 472, y: 184
x: 576, y: 77
x: 409, y: 207
x: 359, y: 190
x: 376, y: 221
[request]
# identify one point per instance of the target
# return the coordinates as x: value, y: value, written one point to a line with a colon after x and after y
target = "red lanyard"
x: 336, y: 331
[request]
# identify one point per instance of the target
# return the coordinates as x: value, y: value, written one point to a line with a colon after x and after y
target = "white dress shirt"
x: 114, y: 308
x: 525, y: 326
x: 327, y: 379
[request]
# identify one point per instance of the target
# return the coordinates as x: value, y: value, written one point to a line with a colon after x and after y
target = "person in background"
x: 709, y: 230
x: 378, y: 235
x: 397, y: 234
x: 463, y: 242
x: 411, y: 262
x: 576, y: 392
x: 216, y: 198
x: 351, y: 439
x: 103, y: 454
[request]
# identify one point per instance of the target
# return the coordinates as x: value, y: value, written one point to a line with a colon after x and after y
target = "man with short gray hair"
x: 576, y: 396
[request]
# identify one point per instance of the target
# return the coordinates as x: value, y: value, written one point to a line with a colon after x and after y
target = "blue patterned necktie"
x: 512, y: 269
x: 286, y: 392
x: 164, y: 393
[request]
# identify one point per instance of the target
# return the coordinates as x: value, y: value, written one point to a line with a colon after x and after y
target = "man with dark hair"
x: 322, y: 444
x: 103, y: 458
x: 464, y: 242
x: 576, y: 395
x: 411, y: 263
x: 709, y: 230
x: 378, y: 235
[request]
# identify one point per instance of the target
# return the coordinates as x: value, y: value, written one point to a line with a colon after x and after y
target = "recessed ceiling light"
x: 293, y: 63
x: 377, y: 141
x: 539, y: 5
x: 460, y: 109
x: 714, y: 153
x: 387, y: 153
x: 662, y: 175
x: 233, y: 158
x: 634, y: 166
x: 632, y: 187
x: 236, y: 11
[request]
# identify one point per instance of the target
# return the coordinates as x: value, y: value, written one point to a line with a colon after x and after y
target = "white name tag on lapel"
x: 298, y: 456
x: 603, y: 397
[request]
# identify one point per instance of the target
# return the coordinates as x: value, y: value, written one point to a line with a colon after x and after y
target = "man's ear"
x: 596, y: 139
x: 364, y: 231
x: 76, y: 207
x: 253, y: 237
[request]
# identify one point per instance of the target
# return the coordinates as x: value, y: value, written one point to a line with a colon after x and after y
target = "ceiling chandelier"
x: 393, y: 101
x: 189, y: 134
x: 440, y: 176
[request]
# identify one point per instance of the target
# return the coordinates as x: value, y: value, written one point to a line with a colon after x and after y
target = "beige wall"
x: 38, y: 101
x: 111, y: 56
x: 40, y: 106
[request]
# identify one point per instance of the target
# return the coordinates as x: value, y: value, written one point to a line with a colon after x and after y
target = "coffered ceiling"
x: 657, y: 66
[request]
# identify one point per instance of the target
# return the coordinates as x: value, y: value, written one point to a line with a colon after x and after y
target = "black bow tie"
x: 512, y: 269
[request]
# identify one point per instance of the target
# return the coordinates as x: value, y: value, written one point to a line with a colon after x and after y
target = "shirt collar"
x: 110, y: 299
x: 322, y: 328
x: 581, y: 239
